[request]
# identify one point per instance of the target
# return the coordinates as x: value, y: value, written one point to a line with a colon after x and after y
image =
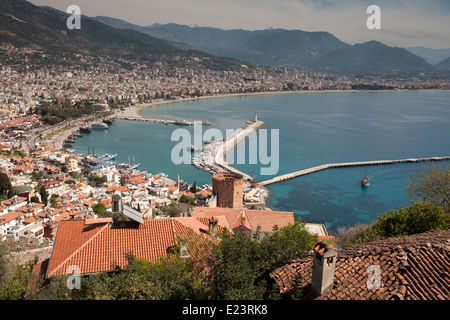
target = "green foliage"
x: 13, y: 278
x: 44, y: 195
x: 415, y: 219
x: 98, y: 181
x: 187, y: 200
x: 76, y: 175
x: 99, y: 209
x: 5, y: 185
x: 431, y: 185
x: 357, y: 234
x: 35, y: 199
x: 58, y: 111
x: 240, y: 265
x: 418, y: 218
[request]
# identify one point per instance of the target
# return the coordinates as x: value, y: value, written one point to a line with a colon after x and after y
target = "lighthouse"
x: 256, y: 117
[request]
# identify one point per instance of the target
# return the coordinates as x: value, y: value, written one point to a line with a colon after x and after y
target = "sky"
x: 404, y: 23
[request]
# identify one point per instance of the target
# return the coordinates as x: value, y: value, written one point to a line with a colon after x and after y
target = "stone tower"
x: 228, y: 187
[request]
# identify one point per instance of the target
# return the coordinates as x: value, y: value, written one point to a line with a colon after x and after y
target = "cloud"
x: 404, y: 22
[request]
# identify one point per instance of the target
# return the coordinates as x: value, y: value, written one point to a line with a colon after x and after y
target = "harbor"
x: 211, y: 156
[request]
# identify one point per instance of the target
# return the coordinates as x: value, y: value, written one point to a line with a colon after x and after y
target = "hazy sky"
x: 404, y: 23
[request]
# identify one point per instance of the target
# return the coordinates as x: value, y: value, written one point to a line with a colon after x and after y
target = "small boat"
x: 134, y: 166
x: 99, y: 125
x: 365, y: 180
x: 85, y: 129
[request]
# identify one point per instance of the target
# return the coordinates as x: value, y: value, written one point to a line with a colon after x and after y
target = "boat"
x: 99, y: 125
x: 85, y: 129
x: 107, y: 157
x: 134, y: 166
x: 365, y: 180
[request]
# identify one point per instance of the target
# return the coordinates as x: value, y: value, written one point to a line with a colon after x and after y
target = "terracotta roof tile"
x: 266, y: 219
x: 411, y: 268
x: 95, y: 247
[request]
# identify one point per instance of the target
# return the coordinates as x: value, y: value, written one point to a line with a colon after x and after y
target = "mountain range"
x: 317, y: 51
x: 44, y: 28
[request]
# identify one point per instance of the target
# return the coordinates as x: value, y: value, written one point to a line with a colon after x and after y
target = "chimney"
x: 213, y: 226
x: 117, y: 201
x: 324, y: 262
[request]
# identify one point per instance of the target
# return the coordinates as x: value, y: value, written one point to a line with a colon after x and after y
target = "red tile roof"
x: 413, y: 267
x: 95, y: 247
x: 266, y: 219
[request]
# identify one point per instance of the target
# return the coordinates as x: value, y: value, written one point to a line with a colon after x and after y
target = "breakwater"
x: 346, y: 164
x: 212, y: 156
x: 219, y: 154
x: 163, y: 121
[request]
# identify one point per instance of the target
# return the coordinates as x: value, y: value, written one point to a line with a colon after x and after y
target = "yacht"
x: 99, y: 125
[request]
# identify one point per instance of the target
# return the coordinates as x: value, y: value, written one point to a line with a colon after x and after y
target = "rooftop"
x: 412, y: 267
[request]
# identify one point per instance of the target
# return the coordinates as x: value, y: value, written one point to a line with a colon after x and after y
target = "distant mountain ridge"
x: 373, y: 57
x: 270, y: 47
x: 444, y: 65
x: 432, y: 56
x: 316, y: 51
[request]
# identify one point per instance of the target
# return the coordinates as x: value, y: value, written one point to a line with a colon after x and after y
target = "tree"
x: 13, y: 277
x: 99, y: 209
x: 240, y: 265
x: 5, y: 185
x: 418, y: 218
x: 35, y: 199
x: 431, y: 186
x: 194, y: 187
x: 44, y: 195
x: 188, y: 200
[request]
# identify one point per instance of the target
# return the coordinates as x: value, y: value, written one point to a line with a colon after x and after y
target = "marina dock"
x: 346, y: 164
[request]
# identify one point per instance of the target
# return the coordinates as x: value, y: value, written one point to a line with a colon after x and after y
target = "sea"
x: 301, y: 130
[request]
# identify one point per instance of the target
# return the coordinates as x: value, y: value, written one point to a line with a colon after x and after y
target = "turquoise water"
x: 314, y: 128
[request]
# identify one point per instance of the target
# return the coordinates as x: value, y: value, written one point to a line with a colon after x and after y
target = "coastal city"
x: 86, y: 226
x: 23, y: 89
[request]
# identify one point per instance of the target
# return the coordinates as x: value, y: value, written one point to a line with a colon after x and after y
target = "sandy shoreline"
x: 134, y: 111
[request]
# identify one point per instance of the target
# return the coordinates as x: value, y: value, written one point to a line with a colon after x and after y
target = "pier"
x: 212, y: 156
x: 219, y: 154
x: 163, y: 121
x: 346, y: 164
